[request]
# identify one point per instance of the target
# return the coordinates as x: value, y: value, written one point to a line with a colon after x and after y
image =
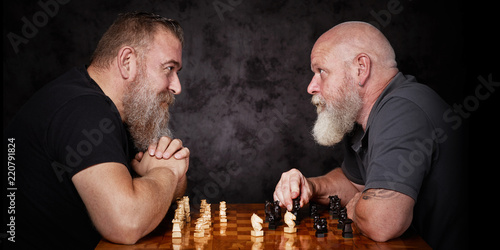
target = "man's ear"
x: 127, y: 62
x: 363, y: 64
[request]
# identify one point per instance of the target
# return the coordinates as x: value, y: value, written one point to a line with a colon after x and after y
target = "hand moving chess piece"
x: 257, y: 225
x: 290, y: 221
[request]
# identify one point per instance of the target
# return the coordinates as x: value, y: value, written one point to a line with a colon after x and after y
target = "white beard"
x: 337, y: 117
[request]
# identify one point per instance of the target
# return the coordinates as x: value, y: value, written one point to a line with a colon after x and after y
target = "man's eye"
x: 321, y: 71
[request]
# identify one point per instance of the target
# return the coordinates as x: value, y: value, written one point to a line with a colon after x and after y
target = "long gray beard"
x: 146, y: 117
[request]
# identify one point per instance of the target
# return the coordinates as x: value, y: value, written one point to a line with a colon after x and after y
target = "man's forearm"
x: 181, y: 188
x: 153, y: 196
x: 332, y: 183
x: 124, y: 209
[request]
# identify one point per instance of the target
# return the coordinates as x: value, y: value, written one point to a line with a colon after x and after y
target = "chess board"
x: 236, y: 234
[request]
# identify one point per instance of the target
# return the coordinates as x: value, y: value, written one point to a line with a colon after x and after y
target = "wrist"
x: 312, y: 187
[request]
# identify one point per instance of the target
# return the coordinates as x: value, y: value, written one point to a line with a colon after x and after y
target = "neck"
x: 107, y: 82
x: 370, y: 96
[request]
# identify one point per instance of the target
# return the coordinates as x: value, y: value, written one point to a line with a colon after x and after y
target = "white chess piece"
x: 290, y: 221
x: 257, y: 225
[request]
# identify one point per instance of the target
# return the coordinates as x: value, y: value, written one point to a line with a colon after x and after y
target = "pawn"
x: 316, y: 220
x: 321, y: 228
x: 347, y: 229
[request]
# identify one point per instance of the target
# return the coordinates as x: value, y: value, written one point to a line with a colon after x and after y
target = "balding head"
x: 352, y: 63
x: 347, y: 40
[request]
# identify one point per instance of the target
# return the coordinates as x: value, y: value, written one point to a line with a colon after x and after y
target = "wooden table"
x: 235, y: 234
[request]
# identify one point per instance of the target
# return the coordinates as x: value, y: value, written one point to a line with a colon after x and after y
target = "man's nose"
x: 313, y: 87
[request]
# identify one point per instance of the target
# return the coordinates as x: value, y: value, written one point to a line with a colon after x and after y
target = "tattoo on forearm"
x: 378, y: 194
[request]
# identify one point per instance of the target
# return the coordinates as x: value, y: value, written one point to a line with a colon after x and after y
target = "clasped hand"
x: 163, y: 151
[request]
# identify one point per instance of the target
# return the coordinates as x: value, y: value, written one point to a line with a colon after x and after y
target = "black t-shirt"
x: 411, y: 146
x: 66, y: 127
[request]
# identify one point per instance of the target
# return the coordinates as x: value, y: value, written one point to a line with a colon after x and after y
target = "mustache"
x: 318, y: 100
x: 166, y: 97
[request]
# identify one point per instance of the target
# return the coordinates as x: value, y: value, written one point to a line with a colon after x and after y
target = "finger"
x: 163, y: 143
x: 152, y: 149
x: 275, y: 196
x: 139, y: 156
x: 278, y: 196
x: 183, y: 153
x: 285, y: 189
x: 134, y: 163
x: 294, y: 186
x: 174, y: 146
x: 305, y: 192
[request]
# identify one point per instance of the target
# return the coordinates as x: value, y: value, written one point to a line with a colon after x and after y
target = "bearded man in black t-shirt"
x: 77, y: 178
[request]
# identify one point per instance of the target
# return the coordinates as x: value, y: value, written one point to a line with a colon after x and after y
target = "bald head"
x: 352, y: 63
x: 347, y: 40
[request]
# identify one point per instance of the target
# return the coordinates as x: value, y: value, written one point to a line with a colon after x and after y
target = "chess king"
x: 402, y: 164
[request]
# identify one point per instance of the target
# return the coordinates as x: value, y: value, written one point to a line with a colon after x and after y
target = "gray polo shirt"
x: 409, y: 147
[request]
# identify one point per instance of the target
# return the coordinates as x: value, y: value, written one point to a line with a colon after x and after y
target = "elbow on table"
x: 124, y: 237
x: 382, y: 235
x: 382, y: 229
x: 126, y: 234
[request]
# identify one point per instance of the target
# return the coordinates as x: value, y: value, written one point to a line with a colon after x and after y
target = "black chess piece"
x: 272, y: 222
x: 316, y: 220
x: 277, y: 212
x: 268, y: 209
x: 331, y: 202
x: 313, y: 209
x: 334, y: 206
x: 347, y: 229
x: 342, y: 218
x: 296, y: 206
x: 295, y: 210
x: 321, y: 228
x: 336, y: 209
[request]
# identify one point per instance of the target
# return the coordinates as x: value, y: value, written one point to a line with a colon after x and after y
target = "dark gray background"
x: 244, y: 111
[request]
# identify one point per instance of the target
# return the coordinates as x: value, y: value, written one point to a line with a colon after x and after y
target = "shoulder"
x: 73, y: 84
x: 406, y: 94
x: 408, y: 104
x: 73, y: 93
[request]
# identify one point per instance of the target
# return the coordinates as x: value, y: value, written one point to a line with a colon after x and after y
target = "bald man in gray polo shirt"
x: 402, y: 165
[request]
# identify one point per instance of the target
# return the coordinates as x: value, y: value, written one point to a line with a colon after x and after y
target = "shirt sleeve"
x: 401, y: 147
x: 84, y: 132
